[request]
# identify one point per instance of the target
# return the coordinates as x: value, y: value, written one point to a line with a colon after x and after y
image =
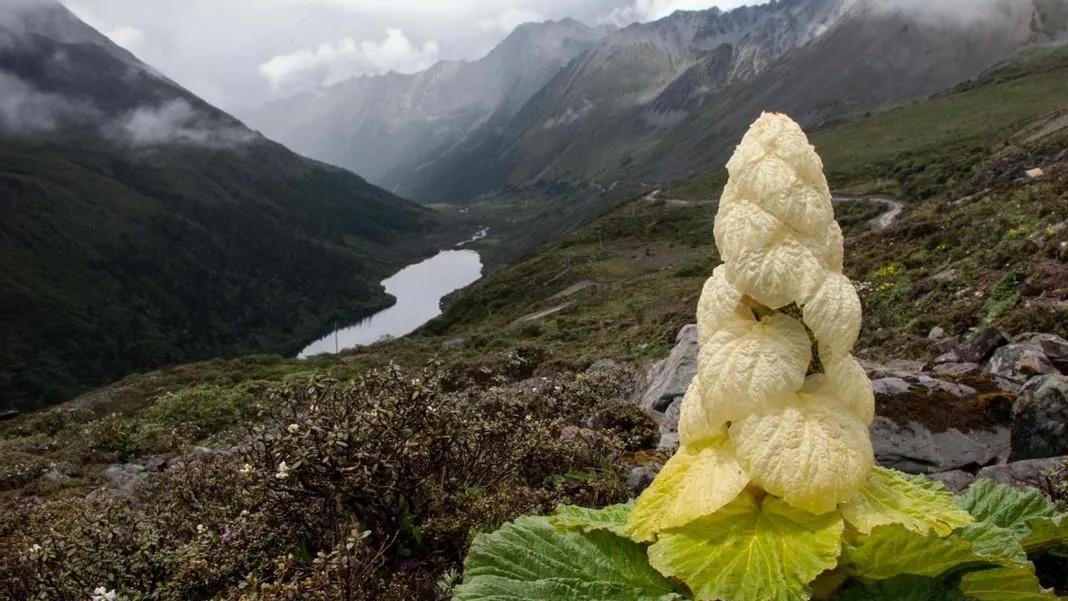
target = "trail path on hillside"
x: 883, y: 221
x: 880, y: 222
x: 886, y: 219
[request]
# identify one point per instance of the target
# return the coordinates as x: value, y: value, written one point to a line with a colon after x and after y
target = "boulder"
x: 642, y: 476
x: 890, y: 386
x: 1054, y: 348
x: 917, y: 449
x: 1040, y: 418
x: 1018, y: 362
x: 604, y: 365
x: 936, y: 333
x: 956, y: 480
x: 957, y: 369
x: 669, y: 379
x: 669, y: 426
x: 981, y: 345
x: 1029, y: 472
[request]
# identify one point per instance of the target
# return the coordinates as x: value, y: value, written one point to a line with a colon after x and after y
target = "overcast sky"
x: 240, y: 53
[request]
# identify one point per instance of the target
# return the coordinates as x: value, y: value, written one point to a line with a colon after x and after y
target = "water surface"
x: 419, y: 289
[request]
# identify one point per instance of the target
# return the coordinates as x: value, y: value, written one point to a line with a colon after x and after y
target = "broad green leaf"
x: 993, y: 541
x: 1016, y: 583
x: 919, y: 504
x: 813, y: 453
x: 1046, y: 533
x: 751, y: 550
x: 1031, y: 517
x: 694, y: 483
x: 530, y: 559
x: 903, y: 588
x: 612, y: 518
x: 893, y: 550
x: 1006, y: 506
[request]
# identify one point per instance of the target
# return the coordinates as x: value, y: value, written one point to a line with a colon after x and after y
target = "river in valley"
x: 419, y: 289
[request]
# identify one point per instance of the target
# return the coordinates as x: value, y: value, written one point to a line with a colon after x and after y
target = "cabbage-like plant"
x: 773, y: 494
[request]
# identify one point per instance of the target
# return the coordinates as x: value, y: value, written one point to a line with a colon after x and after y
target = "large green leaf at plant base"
x: 1016, y: 583
x: 1027, y: 513
x: 919, y: 504
x: 751, y: 550
x: 994, y: 541
x: 1049, y: 534
x: 893, y: 550
x: 1006, y: 506
x: 903, y: 588
x: 612, y: 518
x: 530, y: 559
x: 698, y: 480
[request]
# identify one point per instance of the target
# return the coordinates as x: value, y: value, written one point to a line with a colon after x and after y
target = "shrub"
x: 369, y: 489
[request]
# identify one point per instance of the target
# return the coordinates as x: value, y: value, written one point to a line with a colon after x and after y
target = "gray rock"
x: 947, y: 344
x: 669, y: 379
x: 957, y: 369
x: 980, y: 346
x: 642, y: 476
x: 946, y: 357
x: 125, y: 477
x: 916, y: 449
x: 604, y: 365
x: 1019, y: 362
x: 453, y: 343
x: 936, y: 333
x: 1054, y: 348
x: 1040, y: 419
x: 669, y: 426
x: 890, y: 386
x: 1029, y: 472
x: 956, y: 480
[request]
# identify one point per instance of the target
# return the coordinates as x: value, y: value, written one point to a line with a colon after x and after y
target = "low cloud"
x: 331, y: 63
x: 642, y: 11
x: 26, y: 110
x: 504, y: 22
x: 957, y: 12
x: 174, y: 122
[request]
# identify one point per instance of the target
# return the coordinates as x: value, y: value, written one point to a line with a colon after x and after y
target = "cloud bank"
x: 26, y: 110
x: 174, y: 122
x: 330, y: 63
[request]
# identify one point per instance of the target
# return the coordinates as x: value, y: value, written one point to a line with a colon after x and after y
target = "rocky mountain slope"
x: 656, y: 101
x: 140, y: 226
x: 388, y: 126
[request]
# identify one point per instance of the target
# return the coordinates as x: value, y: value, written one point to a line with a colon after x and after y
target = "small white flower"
x: 244, y: 513
x: 35, y: 550
x: 201, y: 529
x: 293, y: 428
x: 103, y: 594
x: 247, y: 470
x: 283, y: 471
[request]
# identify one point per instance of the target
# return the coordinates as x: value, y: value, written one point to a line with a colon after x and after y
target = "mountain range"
x: 140, y: 226
x: 650, y: 102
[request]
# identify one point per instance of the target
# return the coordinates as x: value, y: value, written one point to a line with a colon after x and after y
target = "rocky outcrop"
x: 668, y: 379
x: 1040, y: 418
x: 1019, y: 362
x: 1029, y: 472
x: 953, y: 418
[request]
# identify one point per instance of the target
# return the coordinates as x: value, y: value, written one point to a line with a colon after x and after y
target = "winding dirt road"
x: 884, y: 220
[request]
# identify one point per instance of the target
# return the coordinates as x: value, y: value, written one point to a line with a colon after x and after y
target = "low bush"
x: 364, y: 490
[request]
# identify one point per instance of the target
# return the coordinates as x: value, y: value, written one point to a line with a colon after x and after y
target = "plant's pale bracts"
x: 795, y: 427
